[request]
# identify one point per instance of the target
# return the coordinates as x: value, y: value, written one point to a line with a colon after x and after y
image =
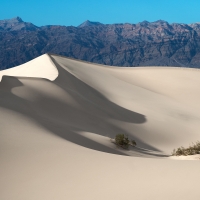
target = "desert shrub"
x: 191, y: 150
x: 122, y: 140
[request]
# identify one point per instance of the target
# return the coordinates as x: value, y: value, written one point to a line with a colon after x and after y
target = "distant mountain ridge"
x: 15, y: 24
x: 89, y: 23
x: 144, y: 44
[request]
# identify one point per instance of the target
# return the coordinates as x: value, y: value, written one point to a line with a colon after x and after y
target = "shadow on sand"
x: 66, y: 120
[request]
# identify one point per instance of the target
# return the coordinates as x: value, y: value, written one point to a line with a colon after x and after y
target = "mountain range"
x: 146, y: 43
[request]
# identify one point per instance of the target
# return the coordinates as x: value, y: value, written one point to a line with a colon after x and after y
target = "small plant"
x: 191, y: 150
x: 123, y: 141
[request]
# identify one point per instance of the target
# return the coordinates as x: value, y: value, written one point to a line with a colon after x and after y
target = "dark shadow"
x: 98, y: 102
x: 9, y: 82
x: 139, y: 152
x: 66, y: 120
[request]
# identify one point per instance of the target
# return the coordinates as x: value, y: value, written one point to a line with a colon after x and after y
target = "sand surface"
x: 42, y: 67
x: 58, y: 116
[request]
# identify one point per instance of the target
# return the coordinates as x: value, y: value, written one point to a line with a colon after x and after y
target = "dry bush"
x: 191, y: 150
x: 123, y: 141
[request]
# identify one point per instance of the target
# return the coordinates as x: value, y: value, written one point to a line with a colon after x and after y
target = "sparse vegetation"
x: 191, y: 150
x: 123, y: 141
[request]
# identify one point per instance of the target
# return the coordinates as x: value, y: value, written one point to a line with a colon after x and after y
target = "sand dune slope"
x: 41, y: 67
x: 56, y: 125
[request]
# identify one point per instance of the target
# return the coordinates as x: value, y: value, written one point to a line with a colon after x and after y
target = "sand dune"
x: 41, y: 67
x: 58, y: 116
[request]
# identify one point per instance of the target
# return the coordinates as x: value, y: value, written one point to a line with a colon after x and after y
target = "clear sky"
x: 74, y: 12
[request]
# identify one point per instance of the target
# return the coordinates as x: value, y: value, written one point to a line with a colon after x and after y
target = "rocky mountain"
x: 16, y: 24
x: 144, y: 44
x: 89, y: 23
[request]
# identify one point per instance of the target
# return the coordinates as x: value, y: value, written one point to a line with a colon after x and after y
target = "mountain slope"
x: 89, y: 23
x: 144, y: 44
x: 16, y: 24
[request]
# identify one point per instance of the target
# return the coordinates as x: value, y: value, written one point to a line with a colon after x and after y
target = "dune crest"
x: 40, y: 67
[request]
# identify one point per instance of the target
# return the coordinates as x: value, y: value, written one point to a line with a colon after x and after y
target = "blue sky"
x: 74, y: 12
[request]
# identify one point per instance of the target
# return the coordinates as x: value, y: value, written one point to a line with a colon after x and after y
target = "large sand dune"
x: 57, y: 118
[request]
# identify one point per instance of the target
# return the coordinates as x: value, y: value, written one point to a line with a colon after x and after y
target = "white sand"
x: 41, y: 67
x: 55, y: 132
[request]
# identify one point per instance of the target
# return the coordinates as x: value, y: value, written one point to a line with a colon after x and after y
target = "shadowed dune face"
x: 65, y: 111
x: 165, y: 96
